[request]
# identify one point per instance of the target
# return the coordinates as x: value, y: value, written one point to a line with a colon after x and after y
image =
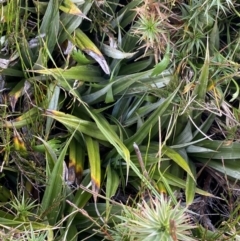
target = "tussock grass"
x: 83, y: 83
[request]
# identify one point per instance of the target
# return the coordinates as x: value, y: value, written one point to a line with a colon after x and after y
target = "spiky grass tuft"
x: 156, y: 219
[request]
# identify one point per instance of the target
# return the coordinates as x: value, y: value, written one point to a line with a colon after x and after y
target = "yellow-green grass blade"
x: 86, y: 127
x: 7, y: 13
x: 111, y: 136
x: 80, y: 57
x: 214, y: 39
x: 95, y: 164
x: 69, y: 7
x: 72, y: 162
x: 19, y: 144
x: 115, y: 53
x: 218, y: 150
x: 87, y: 46
x: 40, y: 6
x: 177, y: 158
x: 178, y: 182
x: 76, y: 162
x: 138, y: 82
x: 160, y: 67
x: 20, y: 225
x: 26, y: 118
x: 80, y: 158
x: 12, y: 72
x: 15, y: 93
x: 71, y: 22
x: 72, y: 233
x: 223, y: 156
x: 82, y: 73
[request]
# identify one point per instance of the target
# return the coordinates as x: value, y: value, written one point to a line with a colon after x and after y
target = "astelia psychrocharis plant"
x: 156, y: 219
x: 153, y: 26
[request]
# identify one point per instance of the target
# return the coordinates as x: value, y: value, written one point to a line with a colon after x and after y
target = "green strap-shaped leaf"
x: 76, y: 161
x: 111, y: 187
x: 80, y: 200
x: 176, y: 157
x: 143, y: 131
x: 73, y: 122
x: 190, y: 184
x: 50, y: 24
x: 82, y: 73
x: 87, y: 46
x: 53, y: 98
x: 160, y: 67
x: 95, y: 163
x: 111, y: 136
x: 53, y: 192
x: 202, y: 86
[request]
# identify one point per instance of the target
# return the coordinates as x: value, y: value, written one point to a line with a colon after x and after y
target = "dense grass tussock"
x: 119, y: 120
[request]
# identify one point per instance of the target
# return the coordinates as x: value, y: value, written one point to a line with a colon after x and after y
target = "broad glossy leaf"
x: 185, y: 135
x: 136, y: 67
